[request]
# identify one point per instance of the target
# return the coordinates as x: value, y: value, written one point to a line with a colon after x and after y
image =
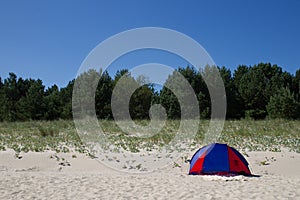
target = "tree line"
x: 258, y: 92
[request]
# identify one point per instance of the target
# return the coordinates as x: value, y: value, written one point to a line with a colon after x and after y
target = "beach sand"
x: 51, y: 175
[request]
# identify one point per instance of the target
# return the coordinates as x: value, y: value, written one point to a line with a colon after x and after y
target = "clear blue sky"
x: 49, y: 39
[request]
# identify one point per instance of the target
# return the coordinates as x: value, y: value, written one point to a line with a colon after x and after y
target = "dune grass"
x: 61, y: 135
x: 38, y: 136
x: 262, y: 135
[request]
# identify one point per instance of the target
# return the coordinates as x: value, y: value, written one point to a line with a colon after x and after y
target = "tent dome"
x: 218, y: 159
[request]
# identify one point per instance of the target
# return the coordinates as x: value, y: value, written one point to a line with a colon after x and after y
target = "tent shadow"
x: 253, y: 175
x: 227, y: 174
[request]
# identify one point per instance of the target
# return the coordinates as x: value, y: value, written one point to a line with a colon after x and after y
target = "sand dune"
x: 65, y: 176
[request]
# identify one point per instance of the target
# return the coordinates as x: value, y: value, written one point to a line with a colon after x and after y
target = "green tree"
x: 119, y: 74
x: 35, y: 100
x: 257, y: 85
x: 66, y: 100
x: 22, y: 106
x: 168, y: 99
x: 195, y: 79
x: 296, y: 85
x: 10, y: 96
x: 239, y: 73
x: 175, y: 90
x: 1, y: 100
x: 140, y: 102
x: 103, y: 96
x: 170, y: 102
x: 283, y: 105
x: 53, y: 103
x: 84, y: 91
x: 235, y: 109
x: 237, y: 77
x: 130, y: 94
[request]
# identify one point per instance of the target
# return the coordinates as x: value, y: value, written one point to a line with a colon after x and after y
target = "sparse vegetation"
x: 61, y: 136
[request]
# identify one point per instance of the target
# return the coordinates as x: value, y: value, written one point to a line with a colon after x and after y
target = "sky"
x: 49, y: 39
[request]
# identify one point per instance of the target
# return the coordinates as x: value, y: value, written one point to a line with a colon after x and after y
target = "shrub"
x: 283, y: 105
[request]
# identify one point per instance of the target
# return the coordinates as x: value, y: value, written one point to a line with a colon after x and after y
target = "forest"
x: 253, y: 92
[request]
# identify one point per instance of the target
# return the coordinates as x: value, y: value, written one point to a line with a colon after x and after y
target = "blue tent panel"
x: 198, y: 154
x: 216, y: 160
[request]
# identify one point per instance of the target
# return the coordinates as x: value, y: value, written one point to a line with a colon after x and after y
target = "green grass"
x: 61, y: 136
x: 38, y: 136
x: 262, y: 135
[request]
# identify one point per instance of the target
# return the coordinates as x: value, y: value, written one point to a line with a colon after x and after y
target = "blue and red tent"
x: 218, y: 159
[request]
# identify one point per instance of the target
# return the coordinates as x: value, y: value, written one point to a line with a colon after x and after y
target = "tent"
x: 218, y: 159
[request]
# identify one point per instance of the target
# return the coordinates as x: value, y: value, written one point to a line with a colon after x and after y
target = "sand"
x: 49, y: 175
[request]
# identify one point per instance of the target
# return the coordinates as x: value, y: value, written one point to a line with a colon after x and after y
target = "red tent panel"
x: 235, y: 163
